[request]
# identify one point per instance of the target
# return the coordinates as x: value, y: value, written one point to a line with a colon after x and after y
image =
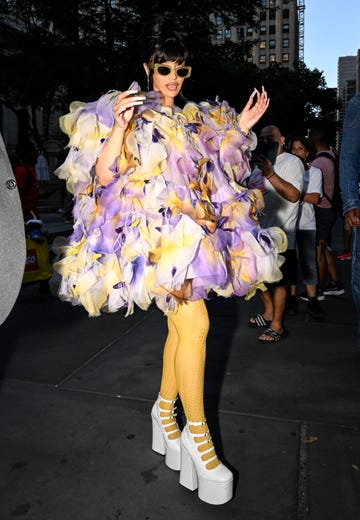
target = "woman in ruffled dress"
x: 161, y: 216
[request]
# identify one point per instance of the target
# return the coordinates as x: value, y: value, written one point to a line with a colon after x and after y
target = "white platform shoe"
x: 215, y: 486
x: 166, y: 433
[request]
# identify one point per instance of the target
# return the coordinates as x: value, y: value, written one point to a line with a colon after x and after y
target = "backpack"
x: 336, y: 200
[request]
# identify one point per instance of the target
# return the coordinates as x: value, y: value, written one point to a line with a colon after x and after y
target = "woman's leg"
x: 168, y: 386
x: 165, y: 429
x: 191, y: 322
x: 200, y: 466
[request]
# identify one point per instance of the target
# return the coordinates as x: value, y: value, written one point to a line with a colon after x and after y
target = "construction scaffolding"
x: 301, y: 17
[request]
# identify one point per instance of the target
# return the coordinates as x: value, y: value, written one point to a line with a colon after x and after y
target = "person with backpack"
x: 326, y: 213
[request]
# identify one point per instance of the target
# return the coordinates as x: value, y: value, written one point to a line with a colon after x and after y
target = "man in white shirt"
x: 282, y: 185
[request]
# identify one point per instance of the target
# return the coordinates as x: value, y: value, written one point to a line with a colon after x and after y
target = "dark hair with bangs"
x: 172, y: 49
x: 161, y: 40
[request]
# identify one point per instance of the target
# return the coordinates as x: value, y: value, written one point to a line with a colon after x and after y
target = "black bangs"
x: 172, y: 49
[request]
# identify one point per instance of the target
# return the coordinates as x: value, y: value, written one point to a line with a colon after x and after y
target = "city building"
x: 348, y: 84
x: 277, y: 35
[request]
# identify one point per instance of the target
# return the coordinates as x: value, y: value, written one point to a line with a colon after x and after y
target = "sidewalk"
x: 76, y: 395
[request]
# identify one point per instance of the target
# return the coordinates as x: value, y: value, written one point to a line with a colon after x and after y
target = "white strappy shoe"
x: 166, y: 433
x: 200, y: 467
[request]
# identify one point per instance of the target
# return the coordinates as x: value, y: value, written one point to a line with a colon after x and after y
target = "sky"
x: 331, y: 30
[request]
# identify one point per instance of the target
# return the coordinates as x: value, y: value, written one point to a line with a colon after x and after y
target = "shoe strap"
x: 202, y: 439
x: 167, y: 400
x: 204, y: 436
x: 167, y: 414
x: 201, y: 423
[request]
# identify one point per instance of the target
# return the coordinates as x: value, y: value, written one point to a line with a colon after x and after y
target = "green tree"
x: 54, y: 52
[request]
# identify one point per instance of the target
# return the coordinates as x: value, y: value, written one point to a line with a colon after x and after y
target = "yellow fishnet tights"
x: 184, y: 367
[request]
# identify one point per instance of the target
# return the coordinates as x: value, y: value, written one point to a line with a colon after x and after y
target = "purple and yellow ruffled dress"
x: 145, y: 234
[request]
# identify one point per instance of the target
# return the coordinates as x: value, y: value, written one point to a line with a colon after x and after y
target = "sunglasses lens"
x: 182, y: 72
x: 163, y: 70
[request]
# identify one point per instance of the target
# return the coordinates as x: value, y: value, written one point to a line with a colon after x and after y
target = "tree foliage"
x: 54, y: 52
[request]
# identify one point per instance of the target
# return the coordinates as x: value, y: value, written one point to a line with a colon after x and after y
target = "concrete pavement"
x: 76, y: 395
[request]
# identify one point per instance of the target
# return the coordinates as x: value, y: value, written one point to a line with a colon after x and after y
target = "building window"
x: 249, y: 31
x: 272, y: 58
x: 262, y: 16
x: 219, y: 20
x: 228, y: 34
x: 272, y: 29
x: 285, y: 13
x: 262, y: 44
x: 262, y: 29
x: 263, y: 3
x: 285, y: 57
x: 262, y: 58
x: 272, y: 44
x: 272, y: 14
x: 240, y: 33
x: 285, y: 28
x: 219, y: 35
x: 271, y: 3
x: 285, y: 43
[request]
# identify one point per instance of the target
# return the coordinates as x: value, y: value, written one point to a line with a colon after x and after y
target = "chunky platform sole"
x: 215, y: 486
x: 170, y: 449
x: 160, y: 441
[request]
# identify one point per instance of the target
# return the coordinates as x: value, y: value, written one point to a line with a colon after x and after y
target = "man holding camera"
x: 282, y: 185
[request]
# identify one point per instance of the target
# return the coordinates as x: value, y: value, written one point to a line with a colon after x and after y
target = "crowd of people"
x: 299, y: 183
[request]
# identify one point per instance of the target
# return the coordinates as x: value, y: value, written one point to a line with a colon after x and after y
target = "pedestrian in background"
x: 27, y: 180
x: 326, y: 216
x: 282, y: 184
x: 306, y: 230
x: 42, y: 167
x: 350, y: 188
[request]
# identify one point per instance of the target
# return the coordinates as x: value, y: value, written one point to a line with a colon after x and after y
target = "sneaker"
x: 344, y: 256
x: 319, y: 296
x: 334, y: 289
x: 314, y: 310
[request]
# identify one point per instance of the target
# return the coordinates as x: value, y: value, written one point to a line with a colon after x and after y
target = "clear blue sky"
x: 332, y: 29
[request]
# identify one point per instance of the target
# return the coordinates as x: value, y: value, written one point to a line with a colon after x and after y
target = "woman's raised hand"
x: 124, y: 107
x: 254, y: 109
